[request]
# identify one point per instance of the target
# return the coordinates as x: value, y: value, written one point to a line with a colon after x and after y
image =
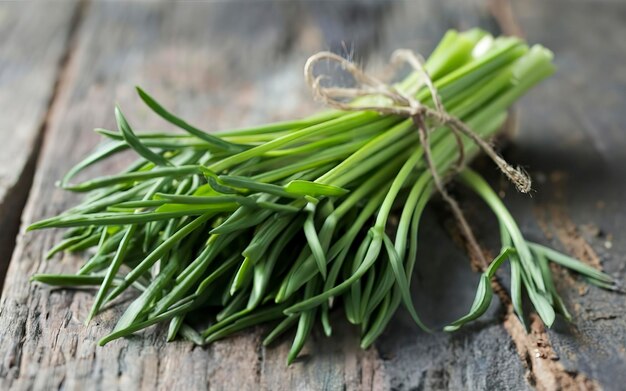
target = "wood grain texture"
x: 32, y: 50
x: 200, y: 60
x: 573, y: 137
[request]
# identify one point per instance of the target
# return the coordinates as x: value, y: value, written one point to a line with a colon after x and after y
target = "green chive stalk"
x: 283, y: 222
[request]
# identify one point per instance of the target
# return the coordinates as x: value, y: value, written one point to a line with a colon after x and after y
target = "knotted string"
x: 404, y: 104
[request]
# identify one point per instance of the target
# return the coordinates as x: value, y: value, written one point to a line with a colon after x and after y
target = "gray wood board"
x: 33, y: 44
x: 573, y: 137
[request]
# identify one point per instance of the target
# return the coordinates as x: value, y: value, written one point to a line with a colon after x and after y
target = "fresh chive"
x: 286, y: 221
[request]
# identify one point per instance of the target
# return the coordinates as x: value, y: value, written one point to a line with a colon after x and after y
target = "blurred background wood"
x: 227, y: 64
x: 33, y: 49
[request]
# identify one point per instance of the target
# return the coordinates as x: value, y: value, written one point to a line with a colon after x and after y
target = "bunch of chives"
x: 281, y: 223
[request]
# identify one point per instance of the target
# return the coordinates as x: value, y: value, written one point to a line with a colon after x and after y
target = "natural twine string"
x: 406, y: 105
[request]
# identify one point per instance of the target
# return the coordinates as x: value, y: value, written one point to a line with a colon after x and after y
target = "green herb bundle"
x: 281, y: 223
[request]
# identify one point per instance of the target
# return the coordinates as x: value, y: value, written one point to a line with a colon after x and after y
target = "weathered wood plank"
x: 32, y: 49
x: 573, y: 138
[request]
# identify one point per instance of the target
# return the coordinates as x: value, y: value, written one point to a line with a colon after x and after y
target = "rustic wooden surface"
x: 228, y: 64
x: 30, y: 62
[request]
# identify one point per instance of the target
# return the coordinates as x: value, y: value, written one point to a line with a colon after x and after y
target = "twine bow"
x: 404, y: 104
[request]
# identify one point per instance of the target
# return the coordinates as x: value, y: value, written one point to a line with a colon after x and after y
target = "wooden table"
x: 224, y: 64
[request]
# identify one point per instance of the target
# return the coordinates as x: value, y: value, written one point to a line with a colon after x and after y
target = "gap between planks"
x: 536, y: 353
x: 18, y: 195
